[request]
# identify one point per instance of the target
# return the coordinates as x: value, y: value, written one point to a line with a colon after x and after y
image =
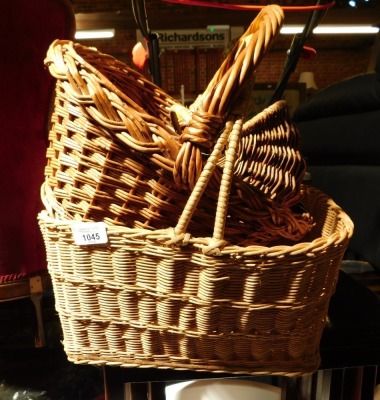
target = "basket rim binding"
x: 168, y: 236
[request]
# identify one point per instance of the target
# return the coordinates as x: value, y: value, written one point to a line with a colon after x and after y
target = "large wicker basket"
x: 217, y: 258
x: 166, y: 299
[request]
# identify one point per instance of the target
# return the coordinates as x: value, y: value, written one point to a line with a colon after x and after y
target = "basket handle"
x: 231, y: 134
x: 206, y: 115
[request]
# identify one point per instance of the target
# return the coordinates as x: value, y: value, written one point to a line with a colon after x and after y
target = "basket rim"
x: 167, y: 237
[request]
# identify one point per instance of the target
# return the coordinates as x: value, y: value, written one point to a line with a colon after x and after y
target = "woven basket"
x: 252, y: 310
x: 167, y: 299
x: 124, y: 152
x: 175, y: 287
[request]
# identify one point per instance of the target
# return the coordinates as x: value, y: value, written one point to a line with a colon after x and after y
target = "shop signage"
x: 190, y: 38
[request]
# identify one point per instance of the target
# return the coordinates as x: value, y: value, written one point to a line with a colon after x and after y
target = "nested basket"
x: 124, y: 152
x: 192, y: 199
x: 167, y: 299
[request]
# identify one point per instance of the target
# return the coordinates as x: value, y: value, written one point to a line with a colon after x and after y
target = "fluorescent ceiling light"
x: 353, y: 29
x: 95, y: 34
x: 332, y: 29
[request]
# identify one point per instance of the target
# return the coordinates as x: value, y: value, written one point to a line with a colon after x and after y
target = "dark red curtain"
x: 26, y: 30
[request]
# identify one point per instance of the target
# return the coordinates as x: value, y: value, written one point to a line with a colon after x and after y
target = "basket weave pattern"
x: 253, y: 310
x: 124, y: 152
x: 90, y: 176
x: 204, y: 268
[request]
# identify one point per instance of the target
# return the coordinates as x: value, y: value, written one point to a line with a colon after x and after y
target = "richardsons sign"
x: 190, y: 38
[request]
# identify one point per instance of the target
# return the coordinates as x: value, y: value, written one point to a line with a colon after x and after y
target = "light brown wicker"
x: 252, y: 310
x: 115, y: 155
x: 211, y: 108
x: 165, y: 298
x: 192, y: 199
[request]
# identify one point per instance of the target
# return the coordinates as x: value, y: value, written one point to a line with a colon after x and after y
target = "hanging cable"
x: 296, y: 49
x: 151, y: 38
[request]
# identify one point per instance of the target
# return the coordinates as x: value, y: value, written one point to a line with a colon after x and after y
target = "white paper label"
x: 89, y: 233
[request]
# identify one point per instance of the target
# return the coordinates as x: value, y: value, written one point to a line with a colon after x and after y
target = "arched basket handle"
x: 208, y: 113
x: 229, y: 136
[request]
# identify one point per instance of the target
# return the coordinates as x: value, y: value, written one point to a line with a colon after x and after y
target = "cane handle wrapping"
x: 231, y: 132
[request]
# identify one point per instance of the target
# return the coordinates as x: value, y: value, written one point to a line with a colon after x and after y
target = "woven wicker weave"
x: 254, y: 310
x: 198, y: 302
x: 191, y: 198
x: 124, y: 152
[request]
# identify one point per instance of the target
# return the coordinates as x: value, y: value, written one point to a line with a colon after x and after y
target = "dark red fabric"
x: 26, y: 30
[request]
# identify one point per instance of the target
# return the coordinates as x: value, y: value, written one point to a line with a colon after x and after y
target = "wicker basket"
x: 174, y: 287
x: 254, y: 310
x: 124, y: 152
x: 166, y: 299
